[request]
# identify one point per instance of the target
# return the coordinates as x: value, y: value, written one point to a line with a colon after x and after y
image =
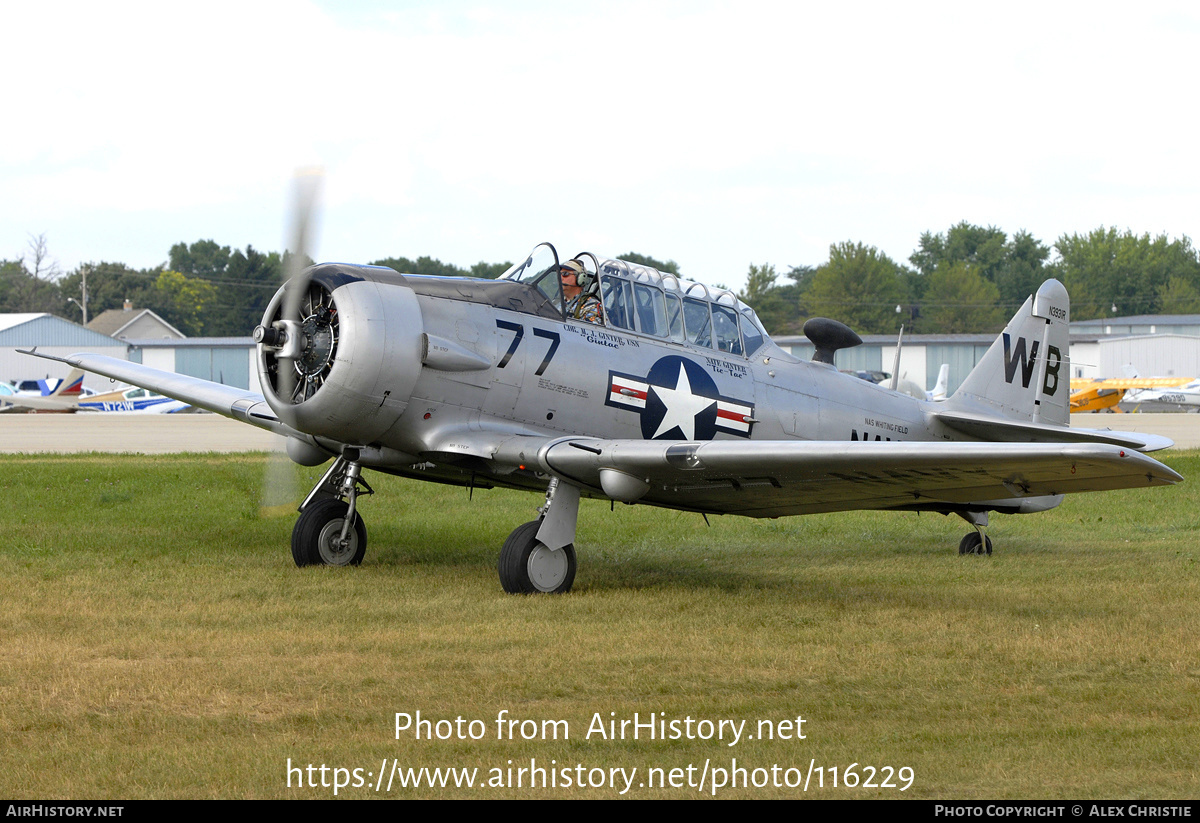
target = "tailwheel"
x: 527, y: 566
x: 321, y: 538
x: 975, y: 543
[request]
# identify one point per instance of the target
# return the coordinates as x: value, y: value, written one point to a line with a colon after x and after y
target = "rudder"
x: 1026, y: 374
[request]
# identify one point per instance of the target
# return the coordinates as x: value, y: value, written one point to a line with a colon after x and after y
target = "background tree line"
x: 971, y: 279
x: 967, y: 279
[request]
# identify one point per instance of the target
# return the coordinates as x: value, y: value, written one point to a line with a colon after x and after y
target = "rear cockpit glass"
x: 725, y: 330
x: 675, y: 317
x: 618, y: 302
x: 651, y: 310
x: 696, y: 321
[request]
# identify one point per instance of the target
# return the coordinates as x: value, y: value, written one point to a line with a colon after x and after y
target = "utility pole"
x: 82, y: 306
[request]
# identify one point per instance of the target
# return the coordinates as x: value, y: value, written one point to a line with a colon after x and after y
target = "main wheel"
x: 318, y: 532
x: 528, y: 567
x: 972, y: 544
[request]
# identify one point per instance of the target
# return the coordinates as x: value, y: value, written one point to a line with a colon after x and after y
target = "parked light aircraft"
x: 1094, y: 395
x: 63, y: 397
x: 939, y: 391
x: 132, y: 399
x: 679, y: 399
x: 6, y: 392
x: 1185, y: 397
x: 1100, y: 394
x: 70, y: 396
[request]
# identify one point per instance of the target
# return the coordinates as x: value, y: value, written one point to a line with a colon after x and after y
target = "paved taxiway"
x: 163, y: 434
x: 129, y: 432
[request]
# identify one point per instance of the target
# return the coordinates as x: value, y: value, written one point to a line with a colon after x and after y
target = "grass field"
x: 157, y: 641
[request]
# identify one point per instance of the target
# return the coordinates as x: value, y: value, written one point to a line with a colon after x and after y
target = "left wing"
x: 773, y: 479
x: 239, y: 404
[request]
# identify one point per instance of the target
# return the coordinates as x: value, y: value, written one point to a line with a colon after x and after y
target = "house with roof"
x: 129, y: 323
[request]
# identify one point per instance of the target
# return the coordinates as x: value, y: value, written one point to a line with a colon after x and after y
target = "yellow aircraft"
x: 1092, y: 394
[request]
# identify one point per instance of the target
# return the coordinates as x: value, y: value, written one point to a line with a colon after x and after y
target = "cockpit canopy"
x: 643, y: 300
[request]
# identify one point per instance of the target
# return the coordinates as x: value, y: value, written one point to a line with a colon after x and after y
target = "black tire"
x: 318, y: 526
x: 971, y: 544
x: 528, y: 567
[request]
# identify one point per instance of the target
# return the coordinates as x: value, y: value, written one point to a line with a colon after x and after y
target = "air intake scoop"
x: 829, y: 336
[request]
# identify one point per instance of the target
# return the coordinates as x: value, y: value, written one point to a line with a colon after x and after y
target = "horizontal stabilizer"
x: 1015, y: 431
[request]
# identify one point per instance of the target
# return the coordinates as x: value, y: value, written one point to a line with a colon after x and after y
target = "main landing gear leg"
x: 329, y: 530
x: 539, y: 556
x: 975, y: 542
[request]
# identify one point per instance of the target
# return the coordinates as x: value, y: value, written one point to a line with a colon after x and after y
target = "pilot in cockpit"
x: 579, y: 291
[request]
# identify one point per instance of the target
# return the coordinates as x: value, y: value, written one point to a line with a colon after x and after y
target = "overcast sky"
x: 713, y: 134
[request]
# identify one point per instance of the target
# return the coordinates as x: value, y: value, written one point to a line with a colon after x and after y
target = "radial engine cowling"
x: 345, y: 364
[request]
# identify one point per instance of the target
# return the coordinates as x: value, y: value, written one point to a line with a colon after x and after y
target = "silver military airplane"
x: 678, y: 399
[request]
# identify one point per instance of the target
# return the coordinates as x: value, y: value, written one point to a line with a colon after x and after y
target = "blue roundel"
x: 681, y: 403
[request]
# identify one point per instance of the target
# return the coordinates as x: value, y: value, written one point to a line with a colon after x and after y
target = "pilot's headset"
x: 588, y: 282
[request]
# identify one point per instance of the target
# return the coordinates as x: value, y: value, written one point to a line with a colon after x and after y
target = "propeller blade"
x: 306, y: 188
x: 281, y: 492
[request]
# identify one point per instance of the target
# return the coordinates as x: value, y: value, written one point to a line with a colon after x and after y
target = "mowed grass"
x: 157, y: 641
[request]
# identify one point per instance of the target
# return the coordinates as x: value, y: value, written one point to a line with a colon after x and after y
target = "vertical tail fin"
x: 1026, y: 374
x: 942, y: 384
x: 70, y: 386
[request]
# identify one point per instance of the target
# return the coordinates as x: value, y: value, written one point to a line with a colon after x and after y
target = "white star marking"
x: 682, y: 406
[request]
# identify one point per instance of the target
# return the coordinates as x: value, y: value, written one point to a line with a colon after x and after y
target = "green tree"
x: 760, y: 283
x: 21, y: 291
x: 183, y: 301
x: 250, y: 281
x: 775, y: 306
x: 983, y: 248
x: 245, y: 282
x: 109, y: 285
x: 958, y: 300
x: 1107, y: 269
x: 860, y: 286
x: 30, y: 283
x: 1179, y: 296
x: 204, y: 258
x: 669, y: 266
x: 425, y: 265
x: 801, y: 276
x: 1016, y: 266
x: 431, y: 265
x: 490, y: 271
x: 1023, y: 271
x: 12, y: 283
